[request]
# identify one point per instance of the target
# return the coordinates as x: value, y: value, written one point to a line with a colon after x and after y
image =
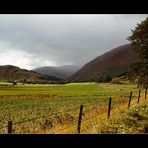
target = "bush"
x: 105, y: 79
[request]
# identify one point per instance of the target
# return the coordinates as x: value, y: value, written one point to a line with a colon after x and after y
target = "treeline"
x: 36, y: 82
x: 104, y: 79
x: 54, y: 80
x: 100, y: 79
x: 45, y: 79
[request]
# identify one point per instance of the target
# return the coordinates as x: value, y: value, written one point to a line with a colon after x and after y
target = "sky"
x: 35, y: 40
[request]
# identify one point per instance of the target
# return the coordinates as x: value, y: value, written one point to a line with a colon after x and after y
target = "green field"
x: 47, y: 108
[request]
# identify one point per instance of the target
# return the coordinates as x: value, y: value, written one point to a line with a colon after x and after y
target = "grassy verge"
x: 38, y: 106
x: 130, y: 121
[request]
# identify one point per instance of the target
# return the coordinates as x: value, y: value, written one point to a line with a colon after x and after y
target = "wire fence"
x: 80, y: 119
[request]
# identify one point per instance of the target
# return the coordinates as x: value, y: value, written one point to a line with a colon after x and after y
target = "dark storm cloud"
x: 64, y: 39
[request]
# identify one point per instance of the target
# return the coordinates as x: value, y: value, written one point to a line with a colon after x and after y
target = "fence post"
x: 139, y: 95
x: 109, y: 107
x: 80, y: 118
x: 9, y: 127
x: 129, y: 103
x: 145, y: 93
x: 146, y: 128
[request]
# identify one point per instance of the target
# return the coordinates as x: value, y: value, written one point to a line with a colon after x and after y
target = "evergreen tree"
x: 139, y: 42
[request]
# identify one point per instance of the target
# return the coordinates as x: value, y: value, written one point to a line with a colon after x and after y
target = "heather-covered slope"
x: 111, y: 63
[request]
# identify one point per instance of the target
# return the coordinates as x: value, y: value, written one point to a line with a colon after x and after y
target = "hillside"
x: 10, y: 72
x: 111, y: 63
x: 58, y: 71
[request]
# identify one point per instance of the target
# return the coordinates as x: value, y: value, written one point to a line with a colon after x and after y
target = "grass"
x: 129, y: 121
x: 27, y: 102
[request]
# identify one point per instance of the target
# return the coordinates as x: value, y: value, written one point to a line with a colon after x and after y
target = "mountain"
x: 58, y: 71
x: 111, y: 63
x: 10, y: 72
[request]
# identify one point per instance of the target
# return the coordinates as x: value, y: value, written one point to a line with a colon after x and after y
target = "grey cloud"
x: 65, y: 39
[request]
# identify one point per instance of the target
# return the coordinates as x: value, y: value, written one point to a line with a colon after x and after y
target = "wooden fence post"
x: 139, y: 95
x: 146, y: 128
x: 109, y: 107
x: 9, y: 127
x: 80, y: 118
x: 129, y: 103
x: 145, y: 93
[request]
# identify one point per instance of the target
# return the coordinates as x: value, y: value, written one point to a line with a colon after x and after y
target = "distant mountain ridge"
x: 59, y: 71
x: 111, y: 63
x: 10, y: 72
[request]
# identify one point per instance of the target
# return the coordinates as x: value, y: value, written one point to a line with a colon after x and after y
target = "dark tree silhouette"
x: 139, y: 42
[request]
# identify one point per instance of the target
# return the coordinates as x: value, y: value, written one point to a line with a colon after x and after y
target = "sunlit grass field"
x: 50, y: 107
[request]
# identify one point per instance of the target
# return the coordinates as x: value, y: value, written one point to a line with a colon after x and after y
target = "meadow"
x: 50, y: 108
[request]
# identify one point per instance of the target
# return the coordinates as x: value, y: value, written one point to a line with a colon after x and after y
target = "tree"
x: 24, y: 81
x: 100, y: 79
x: 139, y: 42
x: 14, y: 82
x: 104, y: 79
x: 107, y: 79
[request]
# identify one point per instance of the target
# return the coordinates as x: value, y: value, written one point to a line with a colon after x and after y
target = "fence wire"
x: 117, y: 106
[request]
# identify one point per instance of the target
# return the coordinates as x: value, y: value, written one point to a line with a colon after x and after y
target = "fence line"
x: 9, y: 126
x: 51, y: 115
x: 33, y: 119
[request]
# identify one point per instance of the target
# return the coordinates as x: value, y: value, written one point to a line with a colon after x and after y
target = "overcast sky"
x: 30, y: 41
